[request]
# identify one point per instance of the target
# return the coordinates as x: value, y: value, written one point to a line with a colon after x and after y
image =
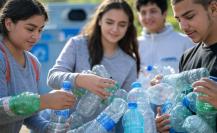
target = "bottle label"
x: 106, y: 121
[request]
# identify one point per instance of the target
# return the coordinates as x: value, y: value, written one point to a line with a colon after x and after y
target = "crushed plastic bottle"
x: 107, y: 119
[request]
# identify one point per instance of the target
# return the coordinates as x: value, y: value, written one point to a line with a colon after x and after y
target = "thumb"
x: 158, y: 111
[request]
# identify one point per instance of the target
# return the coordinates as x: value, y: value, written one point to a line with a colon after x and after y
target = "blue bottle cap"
x: 136, y: 85
x: 132, y: 105
x: 213, y: 78
x: 149, y: 68
x: 106, y: 121
x: 67, y: 85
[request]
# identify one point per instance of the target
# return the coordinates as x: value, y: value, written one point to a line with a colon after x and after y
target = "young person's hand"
x: 57, y: 99
x: 94, y: 83
x: 156, y: 80
x: 162, y: 122
x: 207, y: 87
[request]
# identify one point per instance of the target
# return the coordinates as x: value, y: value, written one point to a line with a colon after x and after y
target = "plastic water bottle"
x: 133, y: 121
x: 160, y: 93
x: 138, y: 95
x: 149, y: 116
x: 182, y: 81
x: 66, y: 86
x: 189, y: 101
x: 59, y: 117
x: 100, y: 70
x: 195, y: 124
x: 75, y: 120
x: 121, y: 93
x: 177, y: 117
x: 204, y: 107
x: 91, y: 103
x: 206, y: 111
x: 107, y: 119
x: 23, y: 104
x: 146, y: 74
x: 88, y: 104
x: 209, y: 118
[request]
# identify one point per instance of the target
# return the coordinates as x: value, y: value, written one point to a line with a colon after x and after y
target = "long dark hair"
x: 128, y: 43
x: 20, y: 10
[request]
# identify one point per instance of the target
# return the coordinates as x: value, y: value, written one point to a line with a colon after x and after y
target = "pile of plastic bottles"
x: 187, y: 112
x: 174, y: 94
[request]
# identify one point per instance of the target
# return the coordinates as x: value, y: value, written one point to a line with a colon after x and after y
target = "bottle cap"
x: 149, y: 68
x: 136, y: 85
x: 66, y: 85
x: 132, y: 105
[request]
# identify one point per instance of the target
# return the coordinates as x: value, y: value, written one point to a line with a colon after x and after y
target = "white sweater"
x: 166, y: 44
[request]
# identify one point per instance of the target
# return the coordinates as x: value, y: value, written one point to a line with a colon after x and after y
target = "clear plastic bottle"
x: 89, y: 102
x: 206, y: 111
x: 138, y: 95
x: 66, y: 86
x: 23, y: 104
x: 182, y: 81
x: 160, y: 93
x: 121, y: 93
x: 146, y: 74
x: 195, y: 124
x: 204, y: 107
x: 107, y: 119
x: 177, y: 117
x: 59, y: 117
x: 100, y: 70
x: 133, y: 121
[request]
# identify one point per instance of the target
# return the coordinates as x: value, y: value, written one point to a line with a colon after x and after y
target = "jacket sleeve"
x: 63, y: 68
x: 38, y: 123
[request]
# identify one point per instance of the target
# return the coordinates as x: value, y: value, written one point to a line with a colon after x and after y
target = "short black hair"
x: 204, y: 3
x: 162, y: 4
